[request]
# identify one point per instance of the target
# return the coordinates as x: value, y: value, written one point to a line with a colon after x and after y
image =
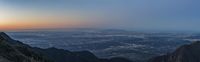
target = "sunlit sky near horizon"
x: 117, y: 14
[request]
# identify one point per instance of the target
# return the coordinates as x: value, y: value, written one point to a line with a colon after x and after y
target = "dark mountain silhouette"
x: 15, y: 51
x: 185, y: 53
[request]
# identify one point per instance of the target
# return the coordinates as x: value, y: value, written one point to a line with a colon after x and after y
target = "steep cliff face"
x: 15, y: 51
x: 186, y: 53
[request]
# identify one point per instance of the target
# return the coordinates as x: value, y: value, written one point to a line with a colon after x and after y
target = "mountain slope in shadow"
x: 185, y: 53
x: 15, y: 51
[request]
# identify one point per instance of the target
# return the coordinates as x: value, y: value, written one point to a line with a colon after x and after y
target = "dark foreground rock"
x: 185, y: 53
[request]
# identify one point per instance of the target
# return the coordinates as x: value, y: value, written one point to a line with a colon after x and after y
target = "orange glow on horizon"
x: 39, y: 24
x: 19, y: 20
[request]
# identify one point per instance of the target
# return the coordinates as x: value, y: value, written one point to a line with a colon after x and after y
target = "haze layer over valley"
x: 138, y: 46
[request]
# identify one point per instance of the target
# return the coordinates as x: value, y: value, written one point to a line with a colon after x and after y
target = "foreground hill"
x: 185, y: 53
x: 15, y: 51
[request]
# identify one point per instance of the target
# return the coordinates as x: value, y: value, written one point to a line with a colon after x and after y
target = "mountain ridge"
x: 24, y: 53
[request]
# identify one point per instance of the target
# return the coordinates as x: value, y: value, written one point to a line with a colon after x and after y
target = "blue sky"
x: 168, y: 15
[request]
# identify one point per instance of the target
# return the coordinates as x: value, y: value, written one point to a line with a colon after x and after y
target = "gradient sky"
x: 183, y: 15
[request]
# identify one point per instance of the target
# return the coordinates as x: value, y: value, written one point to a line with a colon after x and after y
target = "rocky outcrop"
x: 185, y: 53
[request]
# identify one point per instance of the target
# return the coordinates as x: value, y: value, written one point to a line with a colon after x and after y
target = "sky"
x: 167, y: 15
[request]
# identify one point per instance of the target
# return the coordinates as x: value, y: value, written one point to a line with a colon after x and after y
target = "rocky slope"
x: 15, y: 51
x: 185, y: 53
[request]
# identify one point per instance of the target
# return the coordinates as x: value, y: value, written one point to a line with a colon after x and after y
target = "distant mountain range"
x: 15, y: 51
x: 185, y: 53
